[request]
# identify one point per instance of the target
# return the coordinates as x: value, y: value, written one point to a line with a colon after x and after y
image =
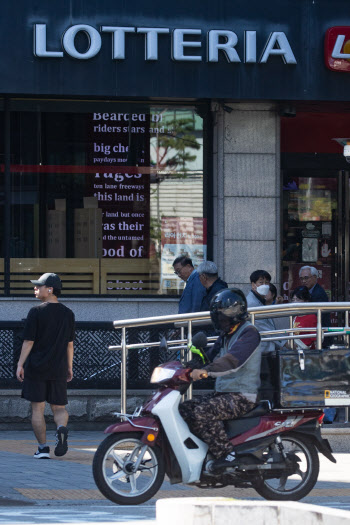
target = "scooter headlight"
x: 161, y: 374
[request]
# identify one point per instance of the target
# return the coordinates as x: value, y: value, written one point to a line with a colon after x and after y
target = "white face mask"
x: 263, y: 289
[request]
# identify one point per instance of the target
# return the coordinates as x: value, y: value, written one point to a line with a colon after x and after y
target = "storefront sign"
x: 183, y: 50
x: 123, y: 197
x: 337, y: 48
x: 185, y: 44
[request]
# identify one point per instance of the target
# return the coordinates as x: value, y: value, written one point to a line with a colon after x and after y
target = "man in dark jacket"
x: 194, y: 291
x: 208, y: 276
x: 308, y: 276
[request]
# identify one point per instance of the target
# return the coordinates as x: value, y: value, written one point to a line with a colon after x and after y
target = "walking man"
x: 209, y: 277
x: 194, y: 291
x: 46, y: 362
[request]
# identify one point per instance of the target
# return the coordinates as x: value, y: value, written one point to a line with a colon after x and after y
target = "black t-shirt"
x: 51, y: 327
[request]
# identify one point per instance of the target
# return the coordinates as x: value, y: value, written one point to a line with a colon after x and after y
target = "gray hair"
x: 207, y: 267
x: 313, y: 270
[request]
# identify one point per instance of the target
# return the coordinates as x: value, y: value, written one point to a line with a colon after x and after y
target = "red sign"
x: 337, y: 48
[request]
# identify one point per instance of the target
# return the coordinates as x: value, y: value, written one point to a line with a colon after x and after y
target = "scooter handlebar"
x: 203, y: 375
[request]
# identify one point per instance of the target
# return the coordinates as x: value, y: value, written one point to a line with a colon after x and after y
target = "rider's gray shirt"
x: 237, y: 368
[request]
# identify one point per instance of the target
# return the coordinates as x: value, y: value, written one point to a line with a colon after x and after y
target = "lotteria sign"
x: 186, y: 44
x: 337, y: 48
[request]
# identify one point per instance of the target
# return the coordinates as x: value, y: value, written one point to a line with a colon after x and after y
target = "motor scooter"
x: 276, y: 450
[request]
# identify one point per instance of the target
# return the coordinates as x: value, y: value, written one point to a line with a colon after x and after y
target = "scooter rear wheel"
x: 297, y: 485
x: 127, y: 471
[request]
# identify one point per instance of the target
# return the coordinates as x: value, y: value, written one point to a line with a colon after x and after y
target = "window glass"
x: 106, y: 195
x: 2, y: 199
x: 309, y: 226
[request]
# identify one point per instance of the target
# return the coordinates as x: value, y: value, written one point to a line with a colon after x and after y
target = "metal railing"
x: 199, y: 319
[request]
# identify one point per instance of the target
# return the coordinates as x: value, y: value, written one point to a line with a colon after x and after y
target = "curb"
x: 218, y: 511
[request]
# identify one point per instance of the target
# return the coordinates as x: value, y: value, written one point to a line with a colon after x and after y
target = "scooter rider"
x: 235, y: 361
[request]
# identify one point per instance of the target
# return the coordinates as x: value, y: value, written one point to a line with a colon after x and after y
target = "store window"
x: 106, y: 195
x: 2, y: 199
x: 309, y: 227
x: 315, y: 197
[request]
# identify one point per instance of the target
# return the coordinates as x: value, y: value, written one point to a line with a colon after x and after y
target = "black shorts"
x: 54, y: 391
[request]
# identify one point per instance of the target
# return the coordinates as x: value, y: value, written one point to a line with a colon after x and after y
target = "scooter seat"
x: 234, y: 427
x: 260, y: 410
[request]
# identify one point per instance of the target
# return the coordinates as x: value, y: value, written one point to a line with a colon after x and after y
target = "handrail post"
x: 291, y: 327
x: 347, y: 338
x: 183, y: 354
x: 319, y: 329
x: 252, y: 319
x: 123, y: 373
x: 182, y: 337
x: 189, y: 338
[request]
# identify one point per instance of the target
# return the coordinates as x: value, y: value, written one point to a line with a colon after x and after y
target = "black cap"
x: 49, y: 279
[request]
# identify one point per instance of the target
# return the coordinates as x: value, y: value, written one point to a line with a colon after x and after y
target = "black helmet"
x: 228, y: 308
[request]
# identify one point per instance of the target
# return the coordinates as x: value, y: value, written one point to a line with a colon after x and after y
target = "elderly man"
x: 191, y: 298
x: 308, y: 276
x: 209, y: 277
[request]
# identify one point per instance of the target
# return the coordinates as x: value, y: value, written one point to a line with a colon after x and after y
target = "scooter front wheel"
x: 127, y: 471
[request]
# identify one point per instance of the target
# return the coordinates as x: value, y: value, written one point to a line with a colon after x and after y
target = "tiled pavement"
x: 68, y: 478
x: 27, y: 481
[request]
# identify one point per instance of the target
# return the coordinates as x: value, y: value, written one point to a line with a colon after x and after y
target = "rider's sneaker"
x: 224, y: 461
x: 42, y: 453
x: 61, y: 441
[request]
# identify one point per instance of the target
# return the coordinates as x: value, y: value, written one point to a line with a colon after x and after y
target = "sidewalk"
x: 68, y: 480
x: 31, y: 481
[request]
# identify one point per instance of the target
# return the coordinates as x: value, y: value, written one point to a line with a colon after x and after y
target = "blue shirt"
x: 191, y: 298
x: 312, y: 289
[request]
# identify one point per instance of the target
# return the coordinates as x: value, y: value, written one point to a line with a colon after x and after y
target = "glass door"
x: 343, y: 259
x: 310, y: 229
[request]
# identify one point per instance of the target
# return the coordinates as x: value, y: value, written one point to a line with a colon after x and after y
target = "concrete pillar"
x: 246, y: 191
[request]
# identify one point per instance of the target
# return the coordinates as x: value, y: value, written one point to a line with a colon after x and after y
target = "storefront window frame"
x: 11, y: 104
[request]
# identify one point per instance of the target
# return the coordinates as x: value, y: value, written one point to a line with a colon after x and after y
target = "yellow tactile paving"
x: 94, y: 494
x: 60, y: 494
x: 77, y: 452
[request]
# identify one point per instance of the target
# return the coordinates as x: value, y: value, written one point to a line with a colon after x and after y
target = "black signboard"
x: 277, y: 49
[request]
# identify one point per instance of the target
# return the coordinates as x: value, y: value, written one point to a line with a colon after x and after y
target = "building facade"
x: 133, y: 133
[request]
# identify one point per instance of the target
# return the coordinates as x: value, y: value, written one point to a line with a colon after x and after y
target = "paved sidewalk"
x: 68, y: 480
x: 33, y: 481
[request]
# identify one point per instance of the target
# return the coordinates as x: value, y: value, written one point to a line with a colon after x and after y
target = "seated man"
x: 236, y: 361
